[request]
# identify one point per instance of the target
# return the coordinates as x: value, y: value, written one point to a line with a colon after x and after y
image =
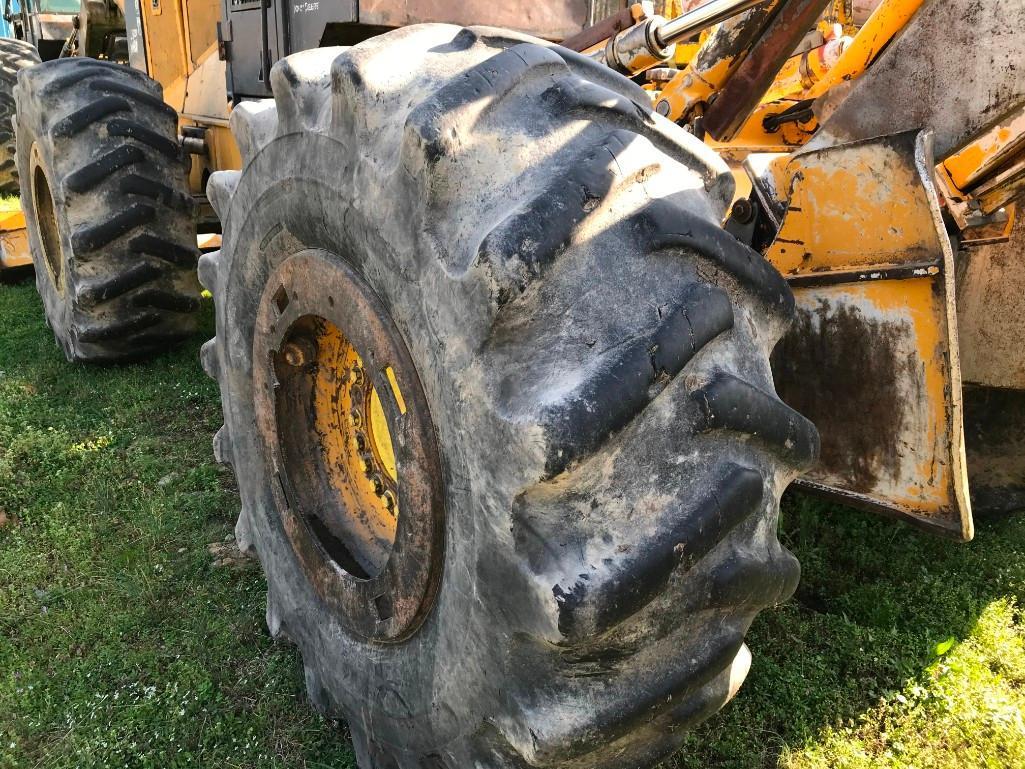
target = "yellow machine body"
x: 873, y: 356
x: 13, y: 241
x: 861, y: 213
x: 182, y: 54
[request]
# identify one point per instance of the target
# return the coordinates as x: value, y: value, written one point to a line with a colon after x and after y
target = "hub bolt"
x: 298, y: 352
x: 368, y: 463
x: 743, y: 211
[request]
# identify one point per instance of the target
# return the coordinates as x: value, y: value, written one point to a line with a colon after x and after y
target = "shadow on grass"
x: 16, y: 275
x: 876, y: 597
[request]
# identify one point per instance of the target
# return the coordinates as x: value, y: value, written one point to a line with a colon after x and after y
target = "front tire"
x: 525, y: 264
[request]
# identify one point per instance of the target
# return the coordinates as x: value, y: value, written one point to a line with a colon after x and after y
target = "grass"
x: 122, y: 645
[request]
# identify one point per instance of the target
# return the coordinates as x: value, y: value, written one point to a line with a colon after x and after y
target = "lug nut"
x: 298, y: 352
x: 743, y: 211
x: 368, y: 464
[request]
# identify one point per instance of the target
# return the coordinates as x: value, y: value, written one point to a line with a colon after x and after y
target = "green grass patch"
x: 122, y: 645
x: 899, y: 650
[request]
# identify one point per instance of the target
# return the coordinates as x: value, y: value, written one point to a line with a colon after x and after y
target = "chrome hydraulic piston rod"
x: 652, y: 41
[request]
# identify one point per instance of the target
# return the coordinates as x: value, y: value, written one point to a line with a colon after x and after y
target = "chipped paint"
x: 872, y: 359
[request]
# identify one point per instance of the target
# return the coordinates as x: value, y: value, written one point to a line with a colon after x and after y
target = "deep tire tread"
x: 617, y: 390
x: 166, y: 249
x: 530, y: 240
x: 139, y: 132
x: 65, y: 77
x: 165, y: 300
x: 98, y: 171
x: 491, y: 82
x: 15, y: 55
x: 106, y: 331
x: 89, y: 114
x: 588, y: 608
x: 88, y: 239
x: 731, y: 403
x: 105, y: 289
x: 580, y: 308
x: 108, y: 146
x: 134, y: 184
x: 138, y: 95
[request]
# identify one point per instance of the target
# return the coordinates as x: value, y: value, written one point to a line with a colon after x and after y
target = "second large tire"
x: 110, y: 219
x: 512, y: 240
x: 15, y: 55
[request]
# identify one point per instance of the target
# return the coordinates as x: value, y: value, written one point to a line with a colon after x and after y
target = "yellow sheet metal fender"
x: 872, y: 358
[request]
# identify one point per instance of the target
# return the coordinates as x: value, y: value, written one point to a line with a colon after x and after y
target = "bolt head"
x: 294, y: 354
x: 378, y: 484
x: 743, y: 211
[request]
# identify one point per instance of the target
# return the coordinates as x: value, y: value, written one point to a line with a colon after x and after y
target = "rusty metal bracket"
x: 603, y: 30
x: 743, y: 92
x: 873, y: 357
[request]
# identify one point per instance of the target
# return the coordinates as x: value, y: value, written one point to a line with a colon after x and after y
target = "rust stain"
x: 866, y: 363
x: 995, y: 444
x: 843, y: 371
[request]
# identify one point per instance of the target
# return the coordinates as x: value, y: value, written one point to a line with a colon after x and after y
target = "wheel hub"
x: 356, y: 474
x: 46, y: 220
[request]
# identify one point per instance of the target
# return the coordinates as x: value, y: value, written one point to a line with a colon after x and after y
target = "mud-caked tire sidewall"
x: 35, y: 152
x: 405, y: 685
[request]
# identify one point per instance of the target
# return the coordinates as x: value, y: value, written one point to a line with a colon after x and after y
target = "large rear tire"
x: 110, y: 218
x: 15, y: 55
x: 502, y: 243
